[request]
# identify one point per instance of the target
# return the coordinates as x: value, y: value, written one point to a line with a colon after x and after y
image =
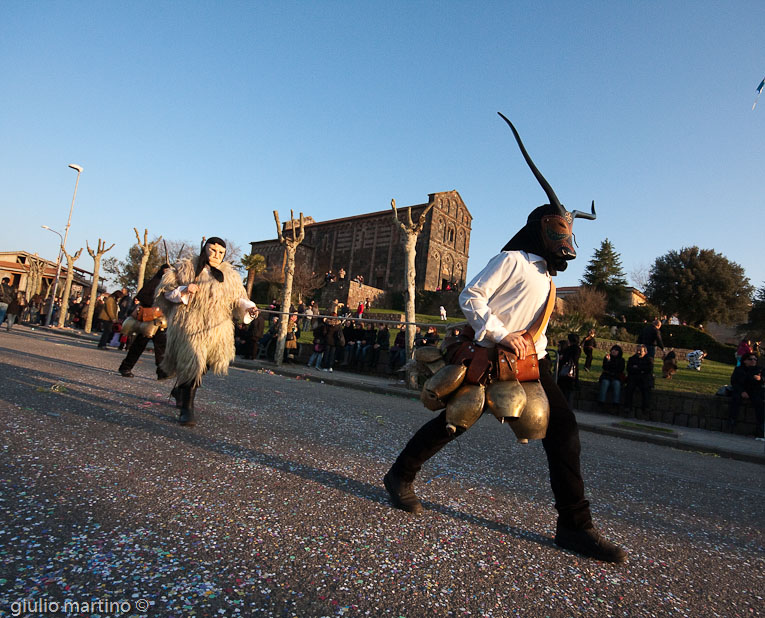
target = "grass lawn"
x: 712, y: 376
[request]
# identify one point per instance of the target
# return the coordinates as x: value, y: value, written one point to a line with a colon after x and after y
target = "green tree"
x: 755, y: 326
x: 254, y: 264
x: 700, y: 285
x: 604, y: 273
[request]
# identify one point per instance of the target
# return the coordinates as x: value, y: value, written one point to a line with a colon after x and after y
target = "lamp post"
x: 49, y: 312
x: 78, y: 169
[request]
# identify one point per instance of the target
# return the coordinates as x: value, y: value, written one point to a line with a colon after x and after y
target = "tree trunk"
x: 289, y: 273
x: 93, y: 294
x: 146, y: 248
x: 250, y: 283
x: 142, y: 269
x: 410, y: 247
x: 70, y: 260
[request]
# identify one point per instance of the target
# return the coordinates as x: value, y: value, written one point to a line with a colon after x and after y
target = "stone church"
x: 370, y: 246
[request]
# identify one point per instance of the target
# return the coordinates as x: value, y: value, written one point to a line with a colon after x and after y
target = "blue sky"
x: 201, y: 118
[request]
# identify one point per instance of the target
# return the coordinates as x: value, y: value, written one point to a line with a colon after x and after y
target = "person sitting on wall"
x: 639, y: 376
x: 746, y: 383
x: 612, y: 375
x: 397, y: 356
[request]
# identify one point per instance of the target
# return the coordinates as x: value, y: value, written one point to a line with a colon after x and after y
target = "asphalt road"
x: 274, y: 506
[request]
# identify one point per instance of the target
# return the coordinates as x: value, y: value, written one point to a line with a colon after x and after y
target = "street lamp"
x: 49, y: 312
x: 78, y: 169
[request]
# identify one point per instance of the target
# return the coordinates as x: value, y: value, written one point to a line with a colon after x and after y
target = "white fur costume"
x: 200, y: 332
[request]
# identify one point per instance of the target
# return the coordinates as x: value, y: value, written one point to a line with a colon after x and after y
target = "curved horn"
x: 585, y: 215
x: 538, y: 175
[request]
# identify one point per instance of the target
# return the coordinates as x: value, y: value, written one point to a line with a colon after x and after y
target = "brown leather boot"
x: 402, y: 493
x: 590, y: 543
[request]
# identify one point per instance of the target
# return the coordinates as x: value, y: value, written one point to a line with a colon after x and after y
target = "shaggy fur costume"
x: 200, y: 335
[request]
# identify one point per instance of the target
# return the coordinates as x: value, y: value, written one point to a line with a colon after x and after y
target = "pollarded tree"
x: 604, y: 273
x: 700, y: 285
x: 146, y: 248
x: 290, y: 247
x: 410, y: 231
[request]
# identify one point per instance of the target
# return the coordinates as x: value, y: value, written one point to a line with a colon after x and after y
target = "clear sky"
x: 196, y: 119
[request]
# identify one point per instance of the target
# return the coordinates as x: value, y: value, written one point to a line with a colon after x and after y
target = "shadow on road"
x: 159, y: 418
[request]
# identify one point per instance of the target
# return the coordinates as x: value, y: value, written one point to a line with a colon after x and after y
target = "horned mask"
x: 549, y: 228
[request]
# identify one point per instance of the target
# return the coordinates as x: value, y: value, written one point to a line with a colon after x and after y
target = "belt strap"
x: 538, y: 327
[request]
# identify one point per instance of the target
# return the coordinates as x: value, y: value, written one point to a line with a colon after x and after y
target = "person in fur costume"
x: 200, y: 297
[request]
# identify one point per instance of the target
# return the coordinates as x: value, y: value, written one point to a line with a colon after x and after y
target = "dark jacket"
x: 358, y: 334
x: 15, y: 306
x: 320, y: 334
x: 256, y: 327
x: 742, y: 379
x: 334, y: 329
x: 145, y: 295
x: 110, y: 310
x: 368, y: 336
x: 650, y: 335
x: 383, y: 338
x: 613, y: 368
x: 639, y: 369
x: 571, y: 354
x: 7, y: 293
x: 349, y: 332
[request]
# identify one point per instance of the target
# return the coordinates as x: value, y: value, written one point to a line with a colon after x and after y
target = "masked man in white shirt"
x: 201, y: 297
x: 501, y: 304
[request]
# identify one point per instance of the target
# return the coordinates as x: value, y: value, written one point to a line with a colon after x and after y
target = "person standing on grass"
x: 588, y: 345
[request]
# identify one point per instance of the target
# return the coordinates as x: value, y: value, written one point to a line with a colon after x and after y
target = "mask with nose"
x: 549, y: 228
x: 212, y: 256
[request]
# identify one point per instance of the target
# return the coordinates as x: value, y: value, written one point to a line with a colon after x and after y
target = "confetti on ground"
x: 273, y: 506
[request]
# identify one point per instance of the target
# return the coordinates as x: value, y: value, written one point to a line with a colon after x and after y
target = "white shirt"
x: 507, y: 296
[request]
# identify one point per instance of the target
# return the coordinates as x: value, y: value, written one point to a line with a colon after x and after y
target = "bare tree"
x: 34, y: 281
x: 587, y: 302
x: 70, y: 260
x: 96, y: 255
x: 640, y: 276
x: 290, y: 246
x: 146, y: 248
x: 411, y: 231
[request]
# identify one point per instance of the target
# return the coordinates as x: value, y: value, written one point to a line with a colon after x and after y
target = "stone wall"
x: 681, y: 409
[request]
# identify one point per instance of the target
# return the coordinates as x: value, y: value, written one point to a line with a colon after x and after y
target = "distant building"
x: 32, y: 274
x: 635, y: 298
x: 370, y: 246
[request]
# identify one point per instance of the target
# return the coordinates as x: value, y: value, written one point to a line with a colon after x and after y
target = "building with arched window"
x: 371, y: 246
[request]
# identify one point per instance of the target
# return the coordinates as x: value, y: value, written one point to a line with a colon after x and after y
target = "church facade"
x: 372, y: 247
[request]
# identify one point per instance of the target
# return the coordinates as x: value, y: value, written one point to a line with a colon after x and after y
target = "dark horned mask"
x: 548, y: 231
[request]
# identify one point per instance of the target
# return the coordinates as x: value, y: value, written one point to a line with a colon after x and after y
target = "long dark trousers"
x: 561, y: 446
x: 106, y: 334
x: 756, y: 397
x: 139, y: 345
x: 644, y: 385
